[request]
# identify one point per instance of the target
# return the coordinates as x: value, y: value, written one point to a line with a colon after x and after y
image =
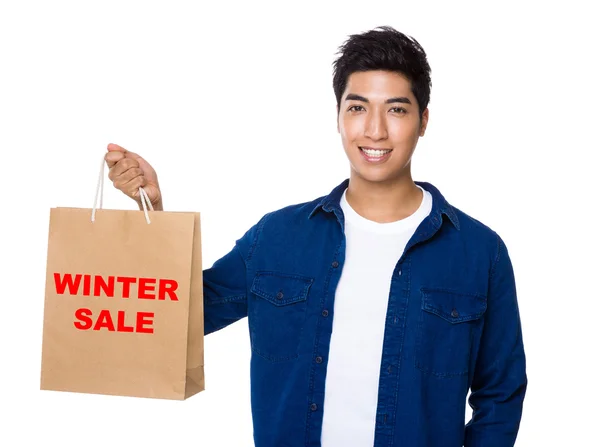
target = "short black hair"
x: 384, y: 48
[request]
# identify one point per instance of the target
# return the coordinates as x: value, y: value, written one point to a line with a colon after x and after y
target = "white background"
x: 232, y: 104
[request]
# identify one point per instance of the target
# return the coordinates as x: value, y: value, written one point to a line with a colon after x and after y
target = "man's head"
x: 382, y: 85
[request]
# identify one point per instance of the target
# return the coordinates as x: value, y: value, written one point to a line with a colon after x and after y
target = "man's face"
x: 378, y: 111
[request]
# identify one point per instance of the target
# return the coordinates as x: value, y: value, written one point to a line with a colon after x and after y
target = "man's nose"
x: 376, y: 126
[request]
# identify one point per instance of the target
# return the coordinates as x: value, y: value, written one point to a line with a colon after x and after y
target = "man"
x: 372, y: 310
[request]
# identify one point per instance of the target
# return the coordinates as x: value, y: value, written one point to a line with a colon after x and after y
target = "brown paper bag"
x: 123, y: 312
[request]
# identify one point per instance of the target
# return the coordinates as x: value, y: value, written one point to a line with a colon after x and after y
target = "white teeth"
x: 375, y: 152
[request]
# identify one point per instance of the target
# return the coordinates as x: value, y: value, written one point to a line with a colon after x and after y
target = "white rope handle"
x: 100, y: 192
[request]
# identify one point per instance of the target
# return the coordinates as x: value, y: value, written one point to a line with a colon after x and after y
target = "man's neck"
x: 384, y: 202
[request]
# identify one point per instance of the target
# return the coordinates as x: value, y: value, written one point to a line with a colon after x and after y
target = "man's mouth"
x: 375, y: 155
x: 374, y: 152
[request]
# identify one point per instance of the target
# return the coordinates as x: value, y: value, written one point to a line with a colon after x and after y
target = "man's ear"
x: 424, y: 121
x: 337, y: 117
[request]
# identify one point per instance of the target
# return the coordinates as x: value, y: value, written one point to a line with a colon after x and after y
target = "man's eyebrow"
x: 355, y: 97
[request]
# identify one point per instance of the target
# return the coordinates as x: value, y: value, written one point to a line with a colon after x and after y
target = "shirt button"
x: 325, y: 313
x: 280, y: 295
x: 319, y: 359
x: 313, y: 407
x: 335, y: 264
x: 399, y: 272
x: 454, y: 313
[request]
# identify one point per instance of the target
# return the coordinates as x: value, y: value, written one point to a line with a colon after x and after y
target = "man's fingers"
x: 131, y: 187
x: 129, y: 172
x: 126, y: 176
x: 121, y: 167
x: 113, y: 158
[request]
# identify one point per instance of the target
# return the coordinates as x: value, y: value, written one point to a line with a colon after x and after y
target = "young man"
x: 374, y: 309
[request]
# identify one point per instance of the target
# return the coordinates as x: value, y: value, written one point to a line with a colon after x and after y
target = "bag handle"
x: 100, y: 192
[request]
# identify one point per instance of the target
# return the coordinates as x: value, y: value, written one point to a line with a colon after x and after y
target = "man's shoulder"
x: 471, y: 223
x: 300, y: 212
x: 474, y: 231
x: 294, y: 213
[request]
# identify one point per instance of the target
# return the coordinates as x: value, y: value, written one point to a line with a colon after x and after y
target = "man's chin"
x: 380, y: 177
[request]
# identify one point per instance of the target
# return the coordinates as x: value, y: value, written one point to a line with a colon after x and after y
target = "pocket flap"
x: 453, y: 306
x: 280, y: 288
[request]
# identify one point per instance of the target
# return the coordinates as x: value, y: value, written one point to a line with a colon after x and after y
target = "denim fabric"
x: 452, y: 325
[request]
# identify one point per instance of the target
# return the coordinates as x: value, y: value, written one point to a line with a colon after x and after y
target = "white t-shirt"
x: 360, y: 306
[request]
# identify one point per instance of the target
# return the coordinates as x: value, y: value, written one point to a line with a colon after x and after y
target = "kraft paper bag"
x: 123, y: 311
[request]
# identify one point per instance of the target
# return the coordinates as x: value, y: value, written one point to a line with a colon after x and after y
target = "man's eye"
x: 354, y: 108
x: 399, y: 109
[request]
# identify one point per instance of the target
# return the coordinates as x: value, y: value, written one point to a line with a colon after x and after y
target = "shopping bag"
x: 123, y: 312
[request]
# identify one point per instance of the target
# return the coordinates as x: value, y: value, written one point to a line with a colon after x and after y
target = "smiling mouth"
x: 375, y: 153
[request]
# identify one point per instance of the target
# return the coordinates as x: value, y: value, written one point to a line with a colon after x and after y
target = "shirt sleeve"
x: 225, y: 284
x: 499, y: 380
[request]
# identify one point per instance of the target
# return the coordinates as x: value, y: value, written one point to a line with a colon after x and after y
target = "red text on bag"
x: 143, y: 321
x: 96, y: 285
x: 111, y: 286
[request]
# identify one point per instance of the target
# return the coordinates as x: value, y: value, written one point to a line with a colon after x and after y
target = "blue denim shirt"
x: 452, y: 325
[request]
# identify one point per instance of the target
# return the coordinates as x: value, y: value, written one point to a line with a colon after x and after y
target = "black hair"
x: 384, y: 48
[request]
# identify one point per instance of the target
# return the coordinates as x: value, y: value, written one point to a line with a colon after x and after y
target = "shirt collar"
x: 440, y: 206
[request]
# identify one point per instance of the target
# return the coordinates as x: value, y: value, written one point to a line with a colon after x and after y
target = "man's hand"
x: 128, y: 172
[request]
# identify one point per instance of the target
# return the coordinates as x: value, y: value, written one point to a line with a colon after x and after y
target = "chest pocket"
x: 276, y: 314
x: 447, y: 323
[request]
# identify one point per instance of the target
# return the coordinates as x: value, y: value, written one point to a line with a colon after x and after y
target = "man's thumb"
x: 116, y: 148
